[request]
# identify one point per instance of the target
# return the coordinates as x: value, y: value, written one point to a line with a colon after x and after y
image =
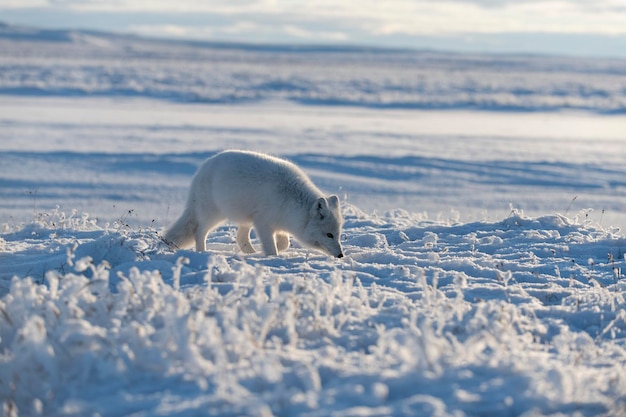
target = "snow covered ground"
x: 483, y: 200
x: 106, y: 156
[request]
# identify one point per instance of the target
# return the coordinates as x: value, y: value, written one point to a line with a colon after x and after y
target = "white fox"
x: 256, y: 190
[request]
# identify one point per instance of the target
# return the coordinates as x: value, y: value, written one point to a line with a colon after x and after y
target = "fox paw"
x: 282, y: 241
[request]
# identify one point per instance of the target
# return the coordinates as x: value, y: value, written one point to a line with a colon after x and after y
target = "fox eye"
x: 330, y: 235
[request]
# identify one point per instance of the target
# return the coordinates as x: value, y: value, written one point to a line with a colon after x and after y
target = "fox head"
x: 323, y: 229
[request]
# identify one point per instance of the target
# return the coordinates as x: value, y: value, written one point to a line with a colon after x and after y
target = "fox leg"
x: 205, y: 225
x: 266, y: 235
x: 200, y: 236
x: 243, y: 238
x: 282, y: 241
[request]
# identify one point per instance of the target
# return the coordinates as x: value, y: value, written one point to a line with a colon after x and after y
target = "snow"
x: 484, y: 257
x: 427, y: 318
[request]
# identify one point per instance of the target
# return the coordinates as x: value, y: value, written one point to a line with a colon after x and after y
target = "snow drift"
x: 423, y: 318
x: 80, y: 63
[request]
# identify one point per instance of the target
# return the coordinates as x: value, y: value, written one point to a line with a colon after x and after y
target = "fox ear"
x: 333, y: 201
x: 320, y: 208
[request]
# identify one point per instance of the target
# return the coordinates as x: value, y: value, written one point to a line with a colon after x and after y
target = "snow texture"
x: 484, y: 258
x: 82, y: 63
x: 423, y: 318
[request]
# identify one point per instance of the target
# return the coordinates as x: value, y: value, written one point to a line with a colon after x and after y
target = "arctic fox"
x: 256, y: 190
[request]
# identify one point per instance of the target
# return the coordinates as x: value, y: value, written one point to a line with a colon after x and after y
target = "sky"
x: 570, y: 27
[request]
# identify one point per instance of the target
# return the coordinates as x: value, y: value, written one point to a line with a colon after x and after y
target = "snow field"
x: 376, y: 78
x: 423, y: 317
x: 139, y: 155
x: 451, y: 301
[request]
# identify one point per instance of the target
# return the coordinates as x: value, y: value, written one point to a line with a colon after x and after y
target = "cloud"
x: 491, y: 16
x: 22, y: 4
x: 240, y: 30
x: 156, y: 6
x: 171, y: 31
x: 314, y: 35
x: 340, y: 19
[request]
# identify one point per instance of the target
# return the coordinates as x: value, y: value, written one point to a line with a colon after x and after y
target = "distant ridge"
x: 13, y: 32
x: 34, y: 34
x: 322, y: 75
x: 28, y: 33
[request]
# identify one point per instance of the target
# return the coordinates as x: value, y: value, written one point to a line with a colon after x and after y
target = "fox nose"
x: 340, y: 255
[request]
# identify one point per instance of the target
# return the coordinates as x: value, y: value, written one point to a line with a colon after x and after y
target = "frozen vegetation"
x: 484, y: 268
x: 423, y: 318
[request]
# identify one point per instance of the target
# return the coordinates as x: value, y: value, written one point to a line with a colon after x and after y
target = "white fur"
x: 255, y: 190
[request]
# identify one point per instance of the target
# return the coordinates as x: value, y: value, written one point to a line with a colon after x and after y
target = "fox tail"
x: 182, y: 232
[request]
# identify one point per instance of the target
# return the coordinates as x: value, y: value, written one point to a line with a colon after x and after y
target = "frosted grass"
x: 422, y: 318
